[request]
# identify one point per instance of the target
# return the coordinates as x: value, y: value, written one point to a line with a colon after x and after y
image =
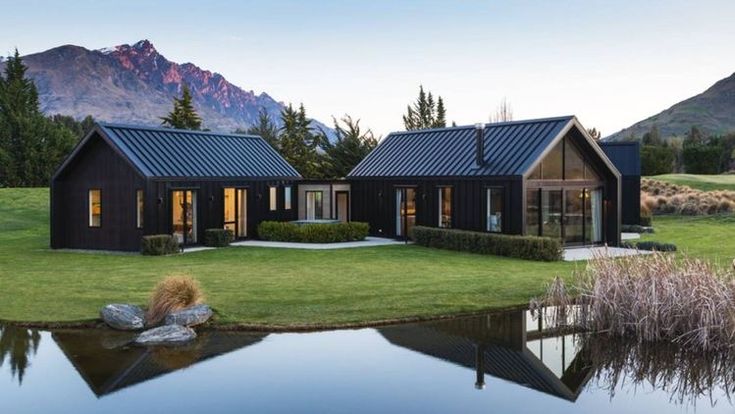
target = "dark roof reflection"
x: 504, y: 346
x: 107, y: 365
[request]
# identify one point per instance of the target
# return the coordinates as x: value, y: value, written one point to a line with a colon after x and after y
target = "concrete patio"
x: 587, y: 253
x: 368, y: 242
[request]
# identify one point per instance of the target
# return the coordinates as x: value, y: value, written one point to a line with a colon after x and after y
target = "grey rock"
x: 195, y: 315
x: 166, y: 335
x: 123, y: 316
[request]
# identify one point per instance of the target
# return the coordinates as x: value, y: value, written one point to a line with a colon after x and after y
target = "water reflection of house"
x: 511, y: 346
x: 107, y: 367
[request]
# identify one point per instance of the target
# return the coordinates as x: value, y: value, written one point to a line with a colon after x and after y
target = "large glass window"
x: 405, y: 210
x: 139, y: 209
x: 551, y: 215
x: 494, y: 216
x: 574, y: 216
x: 593, y: 215
x: 314, y: 205
x: 230, y: 221
x: 287, y: 197
x: 445, y: 207
x: 95, y: 208
x: 566, y: 162
x: 532, y: 212
x: 273, y: 198
x: 573, y: 163
x: 184, y: 216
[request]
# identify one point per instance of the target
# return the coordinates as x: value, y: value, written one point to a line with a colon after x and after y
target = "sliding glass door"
x: 184, y: 216
x: 571, y: 214
x: 235, y: 212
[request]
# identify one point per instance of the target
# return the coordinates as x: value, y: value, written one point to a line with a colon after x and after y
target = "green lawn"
x: 254, y: 285
x: 701, y: 181
x: 707, y: 237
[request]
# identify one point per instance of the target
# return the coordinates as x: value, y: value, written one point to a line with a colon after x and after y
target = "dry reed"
x: 660, y: 197
x: 652, y: 298
x: 173, y: 293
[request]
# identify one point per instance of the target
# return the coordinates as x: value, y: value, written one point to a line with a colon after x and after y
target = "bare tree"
x: 503, y: 112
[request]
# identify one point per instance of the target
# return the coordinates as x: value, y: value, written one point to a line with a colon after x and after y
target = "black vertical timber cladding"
x: 626, y: 158
x: 374, y: 202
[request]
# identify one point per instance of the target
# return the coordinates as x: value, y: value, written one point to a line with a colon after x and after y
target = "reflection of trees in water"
x: 16, y: 346
x: 685, y: 375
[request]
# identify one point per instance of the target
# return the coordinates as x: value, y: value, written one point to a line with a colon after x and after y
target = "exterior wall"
x: 210, y: 203
x: 97, y: 166
x: 329, y: 197
x: 373, y: 201
x: 627, y: 159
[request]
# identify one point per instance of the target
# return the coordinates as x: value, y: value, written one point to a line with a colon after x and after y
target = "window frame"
x: 440, y: 202
x: 90, y: 213
x: 318, y: 212
x: 287, y: 197
x: 272, y: 198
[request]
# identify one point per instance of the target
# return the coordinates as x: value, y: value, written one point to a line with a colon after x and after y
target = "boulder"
x: 166, y: 335
x: 195, y: 315
x: 123, y: 316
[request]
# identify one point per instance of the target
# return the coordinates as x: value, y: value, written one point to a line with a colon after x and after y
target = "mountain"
x: 713, y: 111
x: 135, y: 84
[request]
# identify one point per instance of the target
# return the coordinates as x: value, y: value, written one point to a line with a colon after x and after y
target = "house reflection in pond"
x: 511, y: 346
x: 106, y: 366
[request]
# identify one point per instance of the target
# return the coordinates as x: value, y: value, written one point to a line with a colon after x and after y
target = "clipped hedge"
x: 521, y: 247
x: 159, y: 245
x: 312, y: 233
x: 650, y: 245
x: 635, y: 228
x: 218, y: 237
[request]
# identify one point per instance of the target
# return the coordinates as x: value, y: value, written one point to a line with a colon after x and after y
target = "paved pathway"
x: 586, y: 253
x: 630, y: 236
x: 368, y: 242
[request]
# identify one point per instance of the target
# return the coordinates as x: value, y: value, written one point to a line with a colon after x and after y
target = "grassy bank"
x: 254, y: 285
x: 700, y: 181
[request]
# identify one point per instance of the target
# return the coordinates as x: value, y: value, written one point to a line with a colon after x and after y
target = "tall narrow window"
x: 314, y: 205
x: 532, y: 212
x: 287, y: 197
x: 139, y: 209
x: 273, y: 192
x: 445, y: 207
x: 95, y: 208
x: 495, y: 202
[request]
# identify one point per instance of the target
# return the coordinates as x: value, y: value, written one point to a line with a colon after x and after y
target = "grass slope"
x: 254, y: 285
x: 706, y: 237
x: 700, y: 181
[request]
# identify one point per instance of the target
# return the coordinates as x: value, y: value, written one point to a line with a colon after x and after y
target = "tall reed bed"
x: 656, y: 297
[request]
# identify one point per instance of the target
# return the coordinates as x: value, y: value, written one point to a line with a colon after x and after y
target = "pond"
x: 502, y: 363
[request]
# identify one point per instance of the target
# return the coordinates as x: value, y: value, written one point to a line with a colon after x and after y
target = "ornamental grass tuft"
x: 175, y: 292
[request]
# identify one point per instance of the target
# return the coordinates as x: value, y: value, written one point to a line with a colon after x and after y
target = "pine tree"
x: 265, y: 128
x: 298, y: 143
x: 350, y: 147
x: 183, y: 116
x: 424, y: 112
x: 594, y: 133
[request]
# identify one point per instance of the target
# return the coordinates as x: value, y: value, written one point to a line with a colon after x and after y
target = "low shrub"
x: 635, y: 228
x: 653, y: 245
x: 313, y: 233
x: 218, y: 237
x: 159, y: 245
x: 646, y: 221
x: 522, y: 247
x: 173, y: 293
x: 660, y: 197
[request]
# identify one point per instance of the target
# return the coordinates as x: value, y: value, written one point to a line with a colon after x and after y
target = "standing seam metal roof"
x: 509, y: 149
x: 161, y: 152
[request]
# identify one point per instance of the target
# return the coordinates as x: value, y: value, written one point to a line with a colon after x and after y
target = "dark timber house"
x: 626, y: 156
x: 122, y: 182
x: 537, y: 177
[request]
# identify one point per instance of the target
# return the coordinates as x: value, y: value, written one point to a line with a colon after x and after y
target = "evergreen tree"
x: 424, y: 113
x: 351, y: 146
x: 265, y: 128
x: 183, y: 116
x: 31, y: 146
x: 652, y: 137
x: 594, y: 133
x: 298, y: 142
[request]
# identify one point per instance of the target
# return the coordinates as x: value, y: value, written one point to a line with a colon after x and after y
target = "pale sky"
x: 611, y: 63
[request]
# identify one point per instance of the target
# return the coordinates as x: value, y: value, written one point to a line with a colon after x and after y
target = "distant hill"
x: 713, y: 111
x: 135, y: 84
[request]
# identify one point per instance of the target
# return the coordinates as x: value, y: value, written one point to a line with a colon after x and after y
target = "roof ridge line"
x: 486, y: 125
x: 174, y: 130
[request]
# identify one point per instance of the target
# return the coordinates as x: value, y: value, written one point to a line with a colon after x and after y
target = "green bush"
x: 312, y: 233
x: 218, y: 237
x: 522, y: 247
x: 635, y: 228
x: 650, y: 245
x: 159, y: 245
x: 657, y: 159
x: 646, y: 220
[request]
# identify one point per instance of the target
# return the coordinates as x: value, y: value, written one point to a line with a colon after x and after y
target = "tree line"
x: 694, y: 153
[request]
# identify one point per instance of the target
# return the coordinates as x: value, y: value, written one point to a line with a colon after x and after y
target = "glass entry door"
x: 342, y: 206
x: 405, y: 211
x: 236, y: 211
x: 573, y: 214
x: 184, y: 216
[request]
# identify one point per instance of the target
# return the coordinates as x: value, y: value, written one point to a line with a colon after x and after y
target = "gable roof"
x: 175, y: 153
x: 510, y: 148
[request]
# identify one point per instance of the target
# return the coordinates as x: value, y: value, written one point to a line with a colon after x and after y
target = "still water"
x: 499, y: 363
